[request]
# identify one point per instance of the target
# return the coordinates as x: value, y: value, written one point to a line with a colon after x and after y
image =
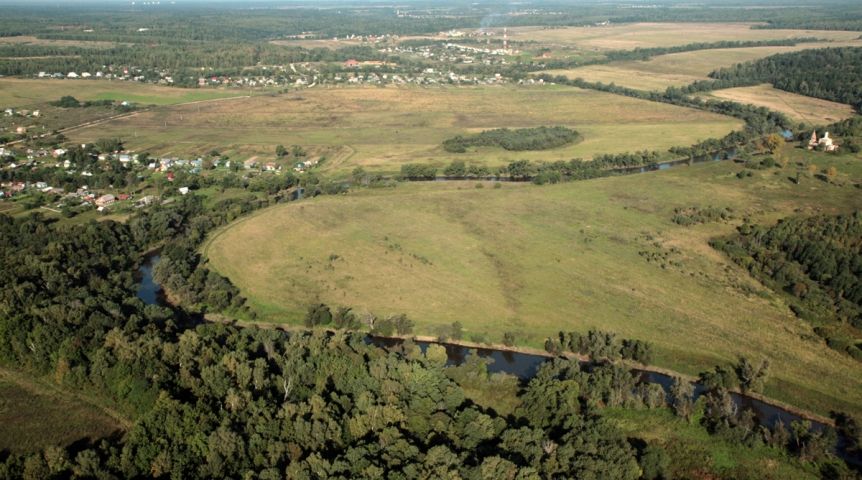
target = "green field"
x: 382, y: 128
x: 813, y: 111
x: 25, y: 93
x: 536, y: 260
x: 34, y: 416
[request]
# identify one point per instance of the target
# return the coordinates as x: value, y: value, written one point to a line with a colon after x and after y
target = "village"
x: 157, y: 180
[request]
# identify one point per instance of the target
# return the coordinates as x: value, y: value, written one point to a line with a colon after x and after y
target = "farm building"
x: 823, y: 143
x: 105, y: 200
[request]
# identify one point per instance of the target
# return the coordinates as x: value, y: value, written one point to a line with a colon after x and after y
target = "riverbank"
x: 520, y: 350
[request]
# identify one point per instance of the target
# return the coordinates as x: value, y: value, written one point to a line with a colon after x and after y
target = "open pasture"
x: 21, y: 93
x: 810, y: 110
x: 647, y: 35
x: 382, y: 128
x: 535, y: 260
x: 678, y: 69
x: 35, y: 416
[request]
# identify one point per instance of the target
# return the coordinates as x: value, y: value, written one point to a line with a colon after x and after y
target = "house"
x: 351, y: 63
x: 183, y: 190
x: 145, y: 201
x: 250, y: 163
x: 21, y: 130
x: 271, y: 167
x: 123, y: 196
x: 72, y: 75
x: 105, y: 200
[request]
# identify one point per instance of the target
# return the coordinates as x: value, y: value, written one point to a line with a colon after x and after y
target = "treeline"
x: 647, y: 53
x: 183, y: 61
x: 520, y: 139
x: 600, y: 346
x: 818, y: 262
x: 827, y: 73
x: 538, y: 172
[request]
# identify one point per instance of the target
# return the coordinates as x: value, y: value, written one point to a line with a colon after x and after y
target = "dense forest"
x: 829, y: 73
x: 817, y: 262
x: 520, y: 139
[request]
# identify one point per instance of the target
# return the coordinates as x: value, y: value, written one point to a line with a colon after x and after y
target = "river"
x: 522, y: 365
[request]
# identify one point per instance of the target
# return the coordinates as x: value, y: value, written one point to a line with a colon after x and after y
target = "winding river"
x: 521, y: 365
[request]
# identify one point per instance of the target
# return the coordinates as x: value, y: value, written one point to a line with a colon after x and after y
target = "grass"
x: 537, y: 260
x: 31, y: 40
x: 810, y: 110
x: 29, y: 93
x: 382, y: 128
x: 34, y: 416
x: 646, y: 35
x: 694, y: 453
x: 678, y: 69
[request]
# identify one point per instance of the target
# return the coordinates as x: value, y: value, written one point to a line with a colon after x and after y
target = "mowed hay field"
x: 382, y: 128
x: 647, y: 35
x: 678, y: 69
x: 19, y: 93
x: 34, y: 416
x: 798, y: 107
x: 536, y: 260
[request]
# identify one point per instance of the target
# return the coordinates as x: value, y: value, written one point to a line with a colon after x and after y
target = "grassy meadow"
x: 382, y: 128
x: 536, y: 260
x: 798, y: 107
x: 30, y: 93
x: 34, y: 416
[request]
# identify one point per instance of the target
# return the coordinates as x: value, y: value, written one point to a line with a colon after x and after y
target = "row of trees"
x: 600, y: 346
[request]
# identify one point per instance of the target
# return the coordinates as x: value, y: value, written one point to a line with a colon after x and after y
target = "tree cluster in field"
x: 69, y: 101
x: 817, y: 261
x: 520, y: 139
x: 696, y: 215
x: 418, y: 171
x: 827, y: 73
x: 600, y: 346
